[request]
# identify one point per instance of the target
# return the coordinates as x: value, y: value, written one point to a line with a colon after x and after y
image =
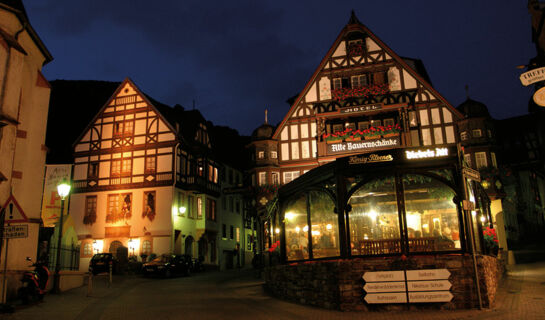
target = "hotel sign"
x: 532, y: 76
x: 410, y: 286
x: 365, y: 108
x: 364, y: 145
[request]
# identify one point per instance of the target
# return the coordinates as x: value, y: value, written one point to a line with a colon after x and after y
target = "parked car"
x: 167, y: 266
x: 100, y: 262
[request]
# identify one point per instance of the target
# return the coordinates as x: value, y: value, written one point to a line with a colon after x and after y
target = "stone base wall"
x: 338, y: 284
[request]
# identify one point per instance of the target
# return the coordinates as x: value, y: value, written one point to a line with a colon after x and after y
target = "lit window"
x: 480, y: 160
x: 88, y: 249
x: 146, y: 247
x: 290, y: 176
x: 477, y: 133
x: 363, y: 125
x: 467, y: 159
x: 261, y: 155
x: 463, y: 136
x: 376, y: 123
x: 119, y: 207
x: 493, y: 158
x: 388, y: 122
x: 90, y: 216
x: 93, y: 170
x: 275, y: 178
x: 149, y: 205
x: 274, y: 155
x: 150, y: 164
x: 199, y: 208
x: 262, y: 178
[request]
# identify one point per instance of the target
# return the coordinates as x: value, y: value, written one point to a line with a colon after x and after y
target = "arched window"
x: 431, y: 214
x: 374, y: 219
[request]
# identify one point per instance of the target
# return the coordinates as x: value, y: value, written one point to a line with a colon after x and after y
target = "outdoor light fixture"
x: 63, y: 189
x: 305, y: 228
x: 277, y: 230
x: 297, y: 229
x: 289, y: 215
x: 182, y: 210
x: 329, y: 226
x: 483, y: 219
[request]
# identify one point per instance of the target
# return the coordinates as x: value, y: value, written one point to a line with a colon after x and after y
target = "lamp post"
x: 63, y: 189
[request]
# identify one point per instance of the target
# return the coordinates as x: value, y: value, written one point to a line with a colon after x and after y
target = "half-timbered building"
x: 144, y: 179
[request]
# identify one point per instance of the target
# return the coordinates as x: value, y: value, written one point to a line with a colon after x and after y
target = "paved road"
x: 239, y: 295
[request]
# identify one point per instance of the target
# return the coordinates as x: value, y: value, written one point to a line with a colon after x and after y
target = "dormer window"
x: 274, y: 155
x: 476, y: 133
x: 261, y: 154
x: 356, y: 47
x: 463, y: 136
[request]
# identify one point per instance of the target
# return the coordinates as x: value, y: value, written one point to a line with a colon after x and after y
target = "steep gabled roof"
x: 355, y: 25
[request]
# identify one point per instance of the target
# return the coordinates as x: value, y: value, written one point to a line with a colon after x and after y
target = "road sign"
x: 16, y: 231
x: 397, y: 286
x: 433, y: 285
x: 471, y: 174
x: 395, y: 297
x: 384, y: 276
x: 428, y: 274
x: 436, y: 296
x: 14, y: 212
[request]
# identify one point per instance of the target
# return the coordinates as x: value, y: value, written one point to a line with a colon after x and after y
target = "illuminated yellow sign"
x: 428, y: 153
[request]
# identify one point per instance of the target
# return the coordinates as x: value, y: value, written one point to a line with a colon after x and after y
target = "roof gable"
x: 340, y: 58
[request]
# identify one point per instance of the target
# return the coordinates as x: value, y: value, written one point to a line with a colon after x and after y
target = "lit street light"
x: 63, y: 189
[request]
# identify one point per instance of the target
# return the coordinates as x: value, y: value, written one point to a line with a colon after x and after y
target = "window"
x: 119, y: 207
x: 337, y: 128
x: 211, y: 209
x: 424, y: 120
x: 463, y: 136
x: 426, y: 137
x: 480, y: 160
x: 123, y: 128
x: 376, y: 123
x: 231, y: 233
x: 126, y: 166
x: 274, y: 155
x: 90, y: 216
x: 224, y: 231
x: 150, y: 164
x: 305, y: 149
x: 355, y: 47
x: 359, y: 81
x: 262, y: 178
x: 237, y: 206
x: 363, y: 125
x: 337, y: 83
x: 149, y: 205
x: 199, y: 208
x: 295, y: 150
x: 190, y: 207
x: 146, y: 247
x: 275, y: 178
x: 238, y: 234
x: 290, y: 176
x: 467, y: 159
x: 116, y: 167
x: 493, y: 158
x: 88, y: 249
x: 93, y: 170
x: 261, y: 154
x: 389, y: 122
x: 476, y: 133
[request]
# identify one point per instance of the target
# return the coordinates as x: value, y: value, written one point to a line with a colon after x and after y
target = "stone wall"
x: 338, y: 284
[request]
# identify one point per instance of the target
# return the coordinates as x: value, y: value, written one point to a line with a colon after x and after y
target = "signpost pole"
x: 4, y: 274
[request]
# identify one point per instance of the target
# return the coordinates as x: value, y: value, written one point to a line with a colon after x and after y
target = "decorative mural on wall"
x: 119, y: 207
x: 149, y: 206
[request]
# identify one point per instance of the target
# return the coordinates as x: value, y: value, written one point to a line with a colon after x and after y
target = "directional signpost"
x: 412, y: 286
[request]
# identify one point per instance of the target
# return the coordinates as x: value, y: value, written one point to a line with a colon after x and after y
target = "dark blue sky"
x: 236, y: 58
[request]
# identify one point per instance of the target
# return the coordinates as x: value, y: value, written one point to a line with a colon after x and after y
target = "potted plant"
x: 391, y: 131
x: 371, y: 133
x: 490, y: 241
x: 356, y: 136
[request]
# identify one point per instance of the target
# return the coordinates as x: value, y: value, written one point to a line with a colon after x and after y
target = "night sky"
x: 236, y: 58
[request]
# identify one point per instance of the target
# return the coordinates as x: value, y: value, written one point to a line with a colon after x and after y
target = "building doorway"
x: 189, y: 245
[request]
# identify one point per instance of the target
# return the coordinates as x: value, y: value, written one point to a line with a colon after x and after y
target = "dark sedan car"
x: 167, y: 265
x: 100, y: 262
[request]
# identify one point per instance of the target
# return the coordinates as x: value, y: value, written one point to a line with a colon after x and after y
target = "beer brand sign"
x: 364, y: 145
x: 370, y: 158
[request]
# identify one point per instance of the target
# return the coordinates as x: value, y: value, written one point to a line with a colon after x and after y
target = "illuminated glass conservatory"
x: 401, y: 201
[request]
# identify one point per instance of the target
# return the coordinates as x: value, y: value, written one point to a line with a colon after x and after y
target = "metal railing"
x: 69, y: 258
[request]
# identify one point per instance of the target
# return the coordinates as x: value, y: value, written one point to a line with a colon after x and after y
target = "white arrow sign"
x: 433, y: 285
x: 428, y: 274
x: 436, y: 296
x: 384, y: 276
x: 396, y: 297
x: 397, y: 286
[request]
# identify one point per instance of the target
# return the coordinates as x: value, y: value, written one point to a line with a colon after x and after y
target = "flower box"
x: 334, y: 141
x: 350, y: 139
x: 372, y: 137
x: 389, y: 135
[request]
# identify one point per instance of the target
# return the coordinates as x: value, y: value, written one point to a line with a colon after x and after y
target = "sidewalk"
x: 238, y: 294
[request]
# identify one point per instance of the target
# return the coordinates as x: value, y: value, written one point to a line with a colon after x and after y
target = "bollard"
x: 111, y: 267
x: 90, y: 283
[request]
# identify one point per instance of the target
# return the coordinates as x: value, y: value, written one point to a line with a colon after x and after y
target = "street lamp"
x: 63, y: 189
